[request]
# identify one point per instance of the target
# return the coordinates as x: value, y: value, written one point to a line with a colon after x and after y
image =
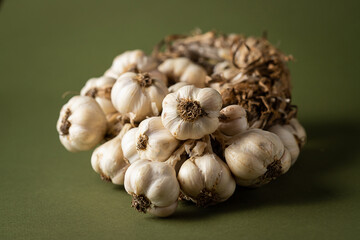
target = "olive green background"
x: 50, y: 47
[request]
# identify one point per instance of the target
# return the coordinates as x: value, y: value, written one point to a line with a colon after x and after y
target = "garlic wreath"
x: 153, y: 187
x: 184, y: 70
x: 191, y: 113
x: 135, y: 60
x: 206, y: 180
x: 100, y: 90
x: 153, y: 141
x: 108, y: 159
x: 81, y: 124
x: 138, y: 95
x: 255, y: 157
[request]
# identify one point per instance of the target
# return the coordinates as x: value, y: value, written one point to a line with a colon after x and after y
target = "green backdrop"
x: 50, y: 47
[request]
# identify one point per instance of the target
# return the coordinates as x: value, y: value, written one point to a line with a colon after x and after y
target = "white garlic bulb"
x: 100, y: 90
x: 183, y: 70
x: 135, y: 60
x: 81, y: 124
x: 233, y: 120
x: 138, y: 94
x: 108, y: 160
x: 206, y: 180
x: 128, y: 145
x: 153, y: 187
x: 153, y: 141
x: 191, y: 113
x: 255, y: 157
x: 284, y: 132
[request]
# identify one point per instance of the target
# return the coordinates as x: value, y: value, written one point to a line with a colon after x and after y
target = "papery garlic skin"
x: 128, y: 145
x: 135, y: 60
x: 206, y: 180
x: 153, y: 186
x: 81, y: 124
x: 255, y: 157
x: 138, y: 94
x: 184, y: 70
x: 191, y: 113
x: 284, y: 132
x: 100, y: 90
x: 233, y: 120
x: 108, y: 160
x: 153, y: 141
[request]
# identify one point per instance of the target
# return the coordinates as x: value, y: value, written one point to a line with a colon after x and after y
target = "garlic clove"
x: 206, y: 180
x: 128, y: 145
x: 288, y: 139
x: 109, y: 162
x: 227, y: 71
x: 153, y: 186
x: 233, y: 120
x: 300, y: 132
x: 183, y: 70
x: 163, y: 211
x: 190, y: 178
x: 153, y: 141
x: 210, y: 101
x: 156, y: 74
x: 177, y: 86
x: 81, y: 124
x: 256, y: 157
x: 100, y: 90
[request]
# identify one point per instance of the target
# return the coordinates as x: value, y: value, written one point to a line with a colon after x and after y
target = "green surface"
x: 50, y: 47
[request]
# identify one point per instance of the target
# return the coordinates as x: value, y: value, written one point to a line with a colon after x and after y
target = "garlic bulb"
x: 183, y: 70
x: 255, y: 157
x: 81, y: 124
x: 191, y: 113
x: 284, y: 132
x: 128, y: 145
x: 135, y: 60
x: 233, y: 120
x: 100, y: 90
x: 206, y: 180
x: 153, y: 141
x: 138, y: 95
x: 153, y: 186
x: 108, y: 160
